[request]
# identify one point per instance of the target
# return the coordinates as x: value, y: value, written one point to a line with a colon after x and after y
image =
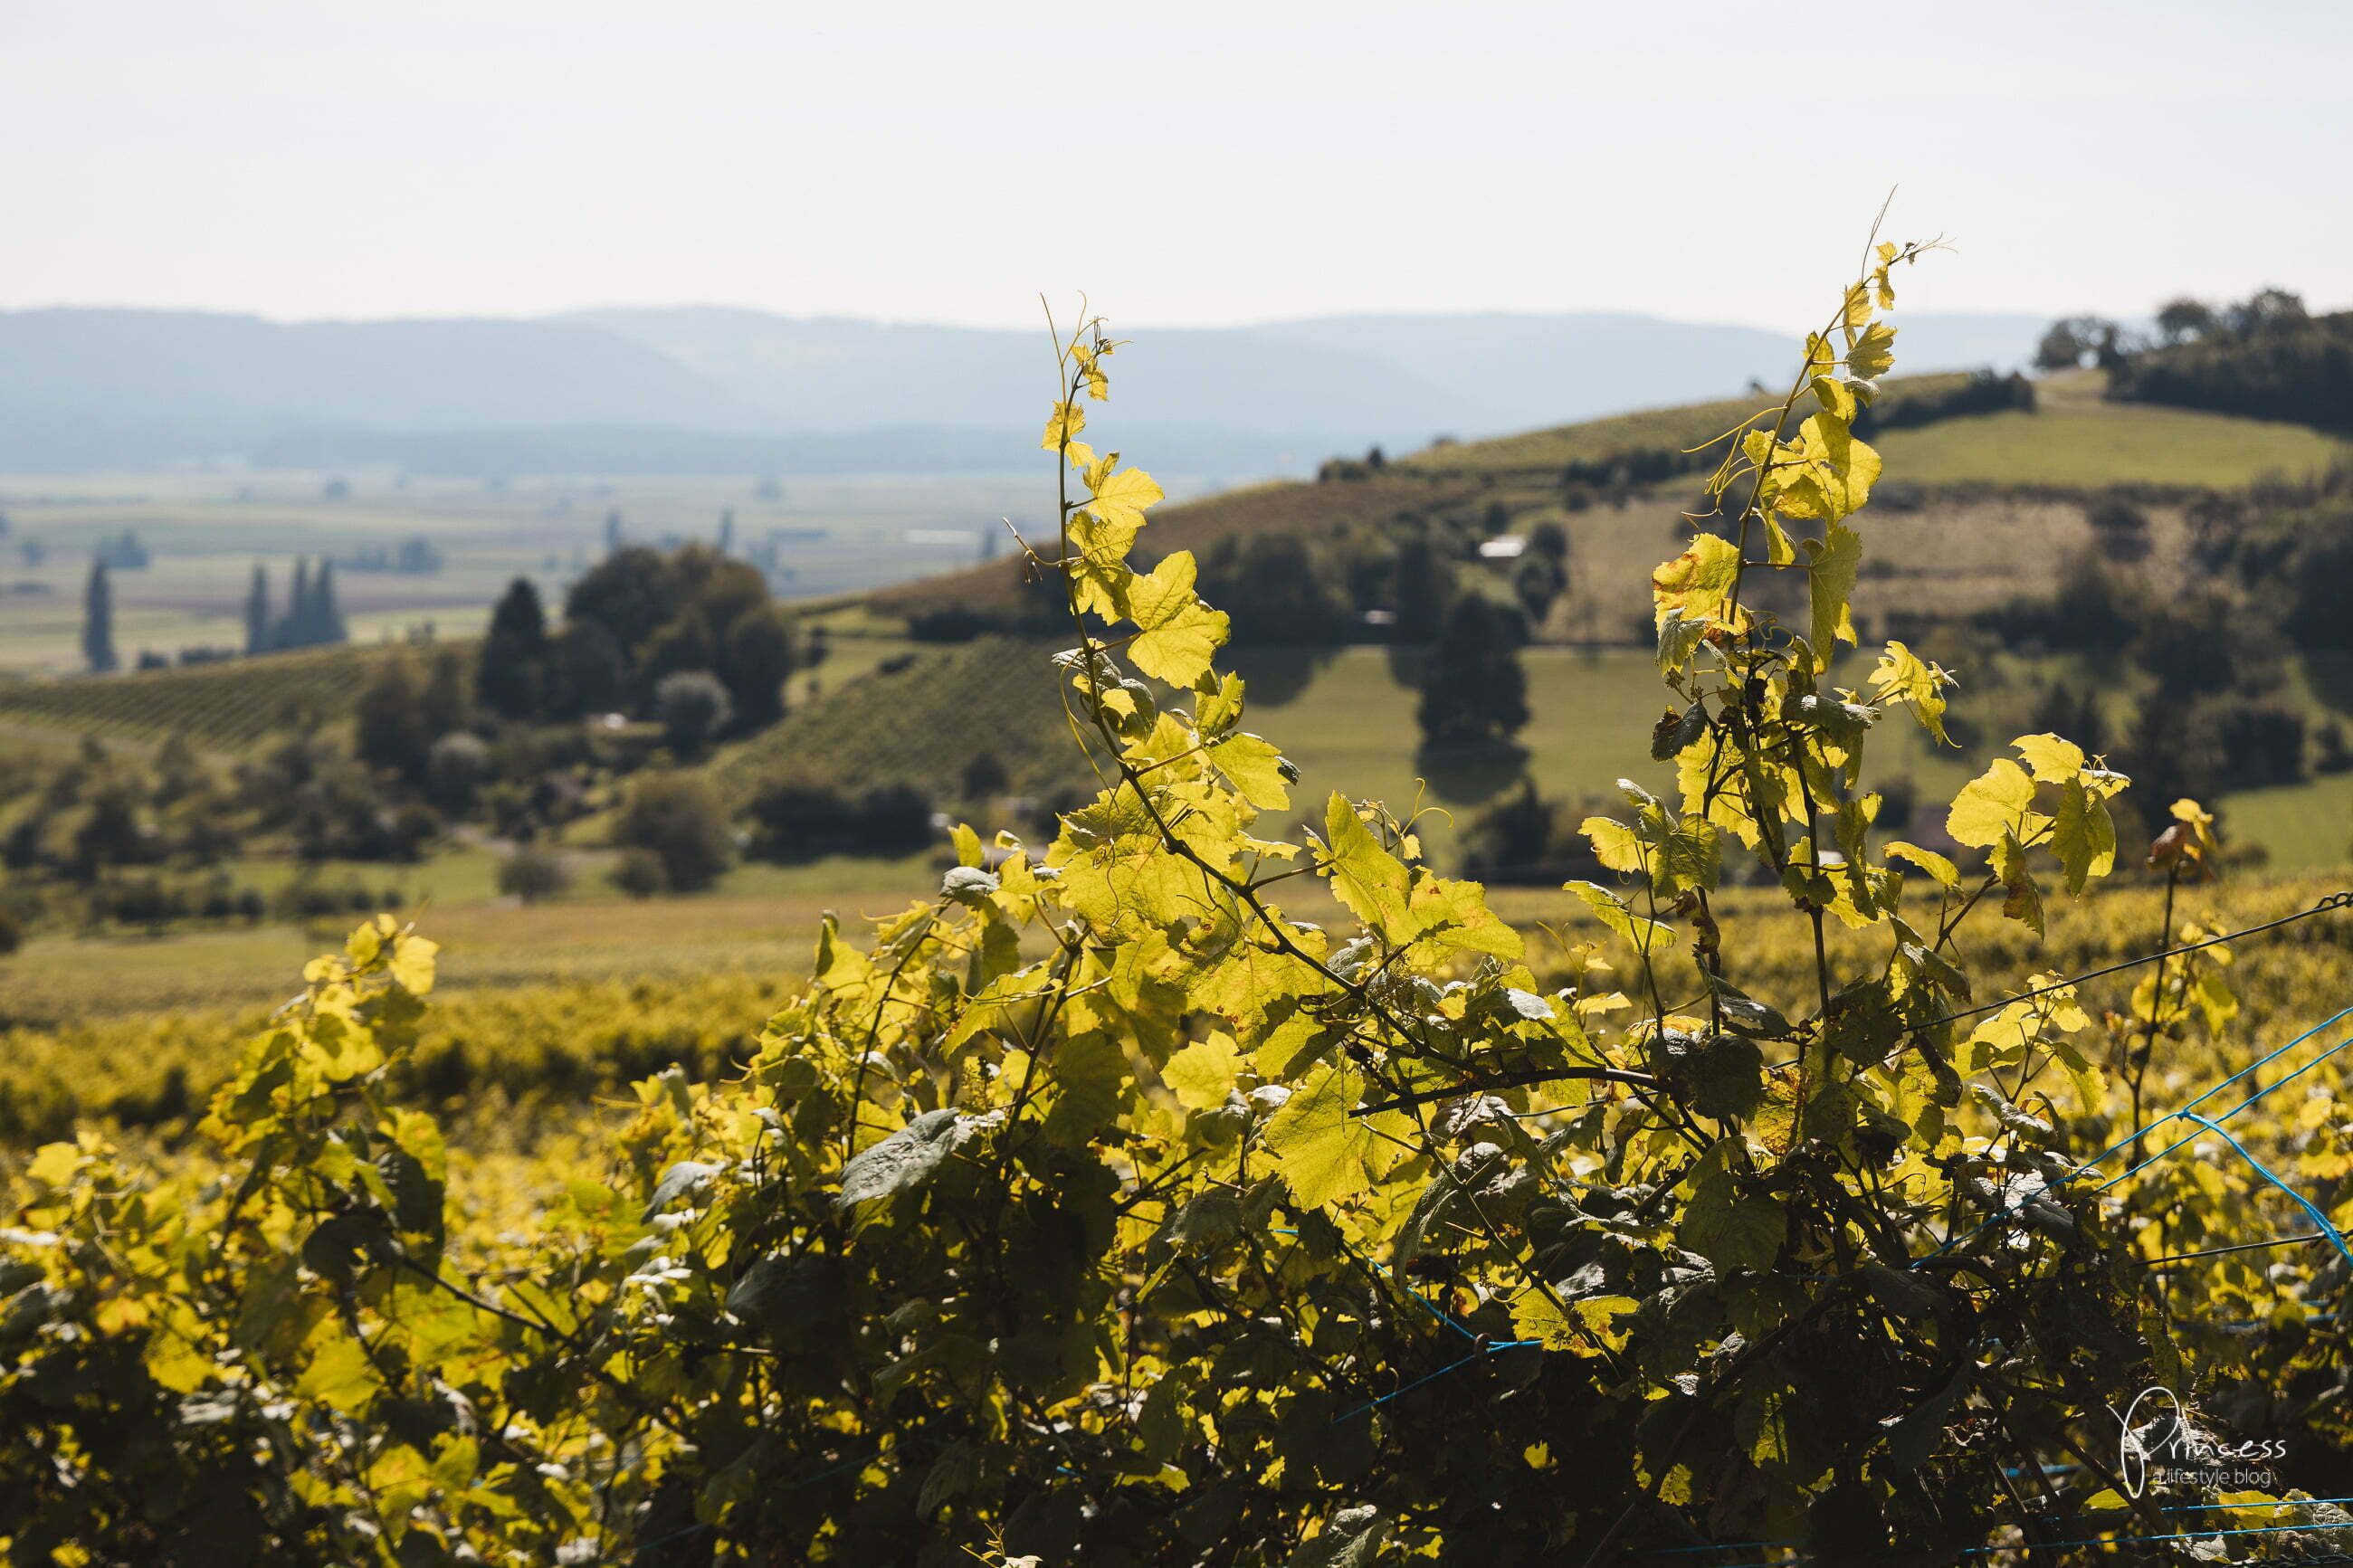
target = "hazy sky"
x: 1186, y: 164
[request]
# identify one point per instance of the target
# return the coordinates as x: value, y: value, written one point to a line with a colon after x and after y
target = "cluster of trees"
x: 2263, y: 357
x: 634, y: 621
x: 2213, y: 709
x: 312, y: 618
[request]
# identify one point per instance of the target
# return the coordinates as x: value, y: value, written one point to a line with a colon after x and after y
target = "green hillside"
x: 918, y: 723
x: 229, y: 704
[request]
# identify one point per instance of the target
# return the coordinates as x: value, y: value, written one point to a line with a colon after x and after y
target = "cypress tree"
x: 98, y: 620
x: 294, y: 631
x: 257, y: 629
x: 511, y: 676
x: 327, y: 618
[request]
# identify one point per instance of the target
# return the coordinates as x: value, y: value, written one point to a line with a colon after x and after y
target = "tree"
x: 631, y: 593
x: 692, y: 708
x: 755, y: 663
x: 1271, y: 590
x: 2178, y: 321
x: 390, y: 729
x: 510, y: 671
x: 1474, y: 691
x: 449, y: 697
x: 2068, y: 340
x: 97, y: 621
x: 259, y: 629
x: 588, y: 671
x: 457, y: 765
x: 293, y: 629
x: 2264, y: 309
x: 1425, y: 586
x: 326, y: 616
x: 675, y: 818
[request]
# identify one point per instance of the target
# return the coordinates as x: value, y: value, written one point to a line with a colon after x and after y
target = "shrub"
x: 675, y: 818
x: 531, y: 874
x: 692, y: 708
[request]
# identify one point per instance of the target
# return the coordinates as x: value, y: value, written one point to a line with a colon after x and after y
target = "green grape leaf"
x: 1203, y: 1073
x: 1259, y: 772
x: 1733, y: 1231
x: 1318, y: 1142
x: 341, y: 1376
x: 1365, y: 877
x: 901, y: 1163
x: 1831, y: 580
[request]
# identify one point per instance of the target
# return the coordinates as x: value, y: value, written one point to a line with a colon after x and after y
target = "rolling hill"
x: 712, y: 390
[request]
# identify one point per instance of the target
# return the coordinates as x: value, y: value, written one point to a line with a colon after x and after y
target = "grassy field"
x: 2077, y: 438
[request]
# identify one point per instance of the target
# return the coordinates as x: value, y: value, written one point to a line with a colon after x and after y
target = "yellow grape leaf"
x: 1067, y: 420
x: 1453, y: 916
x: 54, y: 1164
x: 2025, y: 902
x: 1615, y: 845
x: 1997, y: 803
x: 1256, y: 769
x: 1873, y: 355
x: 1120, y: 497
x: 1834, y: 474
x: 1318, y: 1141
x: 1903, y: 677
x: 1177, y: 634
x: 340, y: 1376
x: 1697, y: 582
x: 2084, y: 837
x: 1831, y: 582
x: 1081, y: 456
x: 1205, y: 1072
x: 1648, y: 936
x: 2051, y: 758
x: 1945, y: 873
x: 1099, y: 571
x: 1180, y: 652
x: 412, y: 964
x: 1365, y: 877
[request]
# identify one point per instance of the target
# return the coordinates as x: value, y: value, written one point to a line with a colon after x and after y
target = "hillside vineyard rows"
x: 1100, y: 1208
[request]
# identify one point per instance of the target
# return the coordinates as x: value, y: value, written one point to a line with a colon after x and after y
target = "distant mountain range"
x: 709, y: 389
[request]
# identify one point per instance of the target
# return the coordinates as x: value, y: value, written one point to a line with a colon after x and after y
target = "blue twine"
x: 2307, y: 1205
x: 1480, y: 1354
x: 2129, y: 1139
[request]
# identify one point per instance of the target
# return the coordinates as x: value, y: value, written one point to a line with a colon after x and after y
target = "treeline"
x: 312, y: 617
x: 1585, y: 482
x: 2263, y: 357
